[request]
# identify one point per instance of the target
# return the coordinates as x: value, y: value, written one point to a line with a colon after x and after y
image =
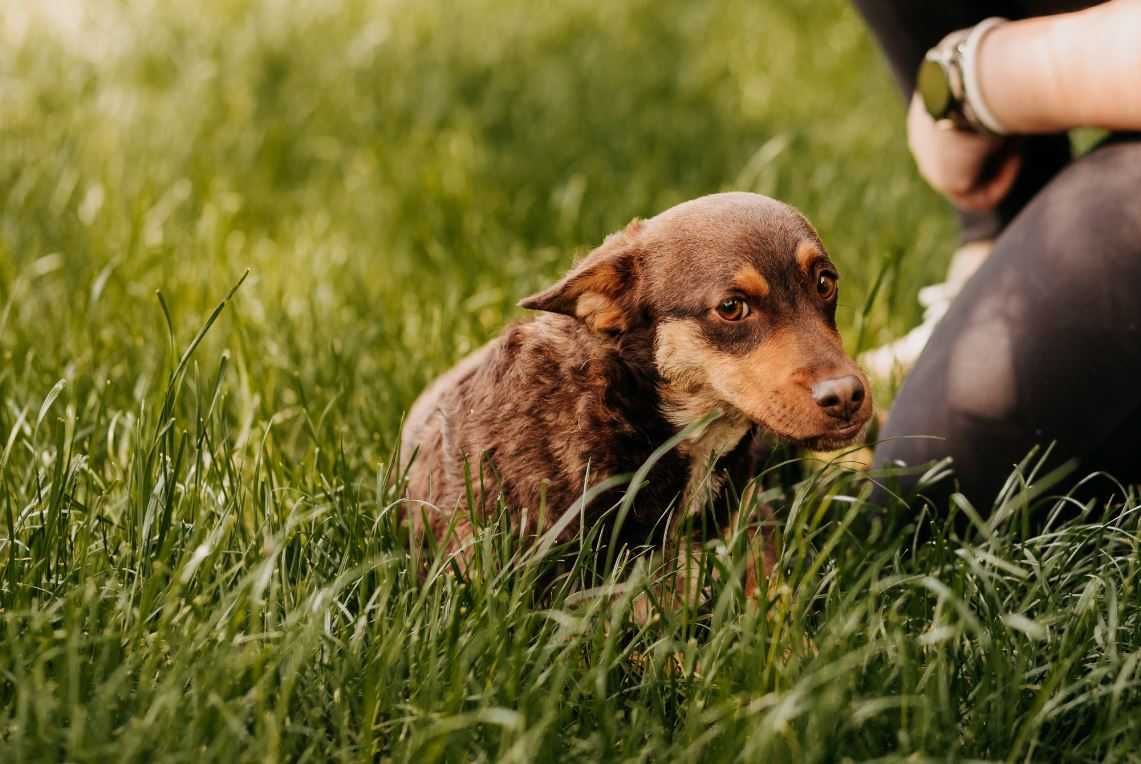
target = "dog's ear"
x: 601, y: 289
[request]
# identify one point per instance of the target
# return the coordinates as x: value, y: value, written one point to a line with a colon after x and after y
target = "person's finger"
x: 988, y: 194
x: 952, y: 161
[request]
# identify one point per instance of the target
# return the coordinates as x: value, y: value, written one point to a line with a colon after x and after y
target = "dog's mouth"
x: 831, y: 439
x: 842, y: 437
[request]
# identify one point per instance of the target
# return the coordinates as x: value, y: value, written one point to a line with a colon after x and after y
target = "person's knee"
x: 1087, y: 220
x: 1041, y: 345
x: 933, y: 451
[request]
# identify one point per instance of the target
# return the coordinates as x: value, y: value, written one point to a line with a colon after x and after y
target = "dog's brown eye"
x: 826, y: 285
x: 733, y: 309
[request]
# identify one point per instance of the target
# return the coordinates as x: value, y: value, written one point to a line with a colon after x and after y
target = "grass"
x: 200, y: 554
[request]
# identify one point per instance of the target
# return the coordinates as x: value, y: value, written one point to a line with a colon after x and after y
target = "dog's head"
x: 739, y: 296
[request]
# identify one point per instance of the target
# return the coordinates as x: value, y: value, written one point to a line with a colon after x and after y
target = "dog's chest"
x: 714, y: 441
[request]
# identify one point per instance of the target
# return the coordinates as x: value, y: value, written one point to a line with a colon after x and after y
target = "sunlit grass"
x: 201, y: 556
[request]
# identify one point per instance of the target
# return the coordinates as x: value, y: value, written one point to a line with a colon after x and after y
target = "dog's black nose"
x: 840, y: 396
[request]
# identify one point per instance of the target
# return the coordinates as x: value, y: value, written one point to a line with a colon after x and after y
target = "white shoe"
x: 898, y: 356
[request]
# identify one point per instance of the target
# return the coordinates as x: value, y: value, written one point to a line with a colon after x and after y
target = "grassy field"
x: 200, y: 557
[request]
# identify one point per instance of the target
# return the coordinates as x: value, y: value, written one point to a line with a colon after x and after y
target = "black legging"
x: 1043, y: 344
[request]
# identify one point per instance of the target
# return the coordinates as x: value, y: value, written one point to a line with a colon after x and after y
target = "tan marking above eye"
x: 807, y: 253
x: 750, y: 281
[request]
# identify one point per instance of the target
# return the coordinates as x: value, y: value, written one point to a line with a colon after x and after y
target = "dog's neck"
x: 644, y: 400
x: 704, y: 449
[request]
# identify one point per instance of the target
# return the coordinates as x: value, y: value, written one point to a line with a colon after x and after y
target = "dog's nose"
x: 840, y: 396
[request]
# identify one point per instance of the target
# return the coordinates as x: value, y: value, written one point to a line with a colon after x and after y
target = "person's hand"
x: 973, y: 171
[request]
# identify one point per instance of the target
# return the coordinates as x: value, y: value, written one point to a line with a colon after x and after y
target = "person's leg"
x: 1044, y: 342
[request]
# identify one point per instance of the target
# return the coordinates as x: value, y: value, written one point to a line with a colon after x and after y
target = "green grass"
x: 200, y: 553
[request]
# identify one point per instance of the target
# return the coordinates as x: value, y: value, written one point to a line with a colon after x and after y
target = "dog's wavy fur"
x: 626, y: 350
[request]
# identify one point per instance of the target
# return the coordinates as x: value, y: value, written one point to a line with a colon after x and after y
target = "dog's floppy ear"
x: 601, y: 289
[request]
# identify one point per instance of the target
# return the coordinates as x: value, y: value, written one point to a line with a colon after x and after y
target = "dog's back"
x: 427, y: 445
x: 523, y: 416
x: 427, y: 421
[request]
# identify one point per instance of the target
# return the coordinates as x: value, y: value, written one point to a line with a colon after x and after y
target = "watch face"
x: 934, y: 88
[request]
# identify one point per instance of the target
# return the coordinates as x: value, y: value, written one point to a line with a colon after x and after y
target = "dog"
x: 725, y: 303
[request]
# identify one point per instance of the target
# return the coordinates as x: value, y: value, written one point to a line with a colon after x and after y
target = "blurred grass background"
x: 199, y: 560
x: 396, y: 175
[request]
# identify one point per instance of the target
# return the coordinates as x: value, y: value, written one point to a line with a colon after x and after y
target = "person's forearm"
x: 1054, y: 73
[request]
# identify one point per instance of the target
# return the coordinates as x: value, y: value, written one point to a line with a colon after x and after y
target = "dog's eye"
x: 733, y: 309
x: 826, y: 285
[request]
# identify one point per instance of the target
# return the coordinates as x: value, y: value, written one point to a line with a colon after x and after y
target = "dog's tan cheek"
x: 685, y: 362
x: 682, y: 357
x: 769, y: 385
x: 772, y: 384
x: 763, y: 384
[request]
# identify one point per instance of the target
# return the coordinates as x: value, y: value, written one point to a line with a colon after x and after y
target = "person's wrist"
x: 1022, y: 78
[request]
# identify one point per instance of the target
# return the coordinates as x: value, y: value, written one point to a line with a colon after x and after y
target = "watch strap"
x: 972, y: 90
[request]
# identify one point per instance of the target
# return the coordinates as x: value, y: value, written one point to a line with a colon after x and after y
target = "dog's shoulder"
x: 498, y: 389
x: 440, y: 396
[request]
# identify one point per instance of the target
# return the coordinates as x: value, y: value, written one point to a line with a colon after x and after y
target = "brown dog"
x: 724, y: 303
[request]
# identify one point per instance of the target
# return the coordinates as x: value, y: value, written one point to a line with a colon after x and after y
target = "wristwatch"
x: 947, y: 82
